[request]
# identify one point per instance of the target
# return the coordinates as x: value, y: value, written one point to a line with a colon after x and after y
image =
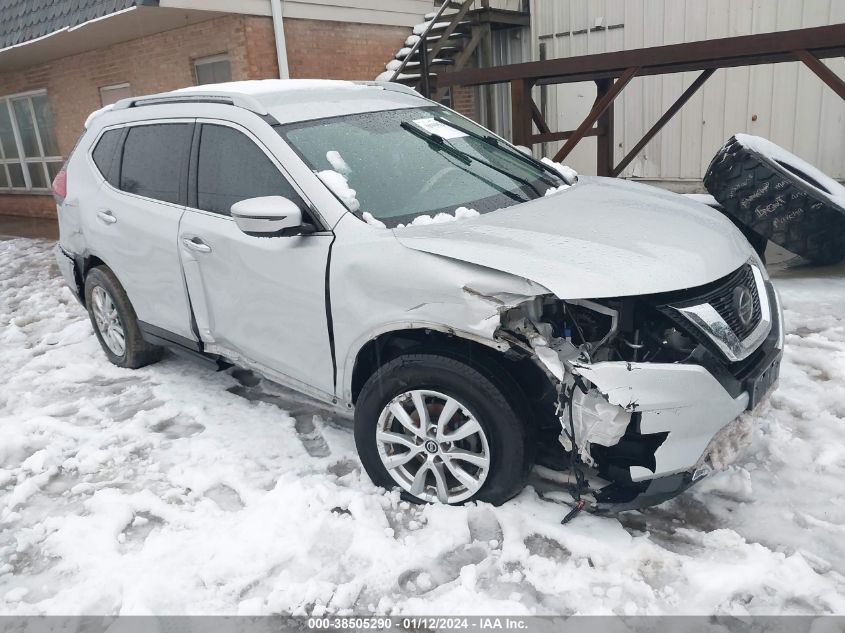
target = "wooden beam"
x: 746, y: 50
x: 662, y: 121
x: 539, y: 119
x: 521, y: 124
x: 601, y: 104
x: 604, y: 140
x: 824, y: 73
x: 554, y: 137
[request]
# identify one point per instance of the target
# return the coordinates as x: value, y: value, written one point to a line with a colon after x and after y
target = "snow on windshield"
x: 340, y: 187
x: 569, y: 174
x: 440, y: 218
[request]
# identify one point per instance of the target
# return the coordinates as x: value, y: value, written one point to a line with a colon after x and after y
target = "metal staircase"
x: 448, y: 41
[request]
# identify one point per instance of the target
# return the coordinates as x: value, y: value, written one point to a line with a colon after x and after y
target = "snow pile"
x: 337, y: 163
x: 460, y: 214
x: 339, y: 186
x: 553, y: 190
x: 420, y: 28
x: 182, y: 490
x: 569, y: 174
x: 372, y: 220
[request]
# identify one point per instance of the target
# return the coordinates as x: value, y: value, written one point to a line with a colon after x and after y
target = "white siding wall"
x: 785, y: 102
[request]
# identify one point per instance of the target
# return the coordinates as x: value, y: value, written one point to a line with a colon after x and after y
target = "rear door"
x: 135, y: 219
x: 257, y: 299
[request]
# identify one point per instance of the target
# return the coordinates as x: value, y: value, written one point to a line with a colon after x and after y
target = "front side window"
x: 29, y: 152
x: 232, y: 168
x: 154, y: 160
x: 407, y: 163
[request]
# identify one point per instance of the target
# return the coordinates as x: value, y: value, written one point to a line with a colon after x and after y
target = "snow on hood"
x: 599, y: 238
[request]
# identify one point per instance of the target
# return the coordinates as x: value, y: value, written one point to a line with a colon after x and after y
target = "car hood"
x: 602, y: 237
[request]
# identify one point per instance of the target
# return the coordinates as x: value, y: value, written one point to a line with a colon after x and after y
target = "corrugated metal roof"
x: 25, y: 20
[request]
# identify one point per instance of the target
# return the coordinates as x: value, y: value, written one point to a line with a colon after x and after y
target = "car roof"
x: 287, y: 100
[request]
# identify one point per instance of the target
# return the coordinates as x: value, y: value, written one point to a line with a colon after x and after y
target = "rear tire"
x: 115, y: 322
x: 503, y: 437
x: 776, y: 200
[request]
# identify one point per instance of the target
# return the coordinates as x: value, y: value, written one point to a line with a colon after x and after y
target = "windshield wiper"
x: 437, y: 141
x: 440, y: 144
x: 492, y: 140
x: 464, y: 157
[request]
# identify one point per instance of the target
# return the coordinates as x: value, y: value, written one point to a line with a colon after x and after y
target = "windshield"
x: 403, y: 164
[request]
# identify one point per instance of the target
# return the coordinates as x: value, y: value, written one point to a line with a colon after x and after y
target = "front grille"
x: 722, y: 300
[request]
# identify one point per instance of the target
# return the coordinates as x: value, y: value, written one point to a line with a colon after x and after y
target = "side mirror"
x: 269, y: 216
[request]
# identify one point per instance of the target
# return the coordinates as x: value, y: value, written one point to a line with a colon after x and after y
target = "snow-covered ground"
x: 176, y: 489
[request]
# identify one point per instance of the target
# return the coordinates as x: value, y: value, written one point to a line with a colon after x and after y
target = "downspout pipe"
x: 277, y: 8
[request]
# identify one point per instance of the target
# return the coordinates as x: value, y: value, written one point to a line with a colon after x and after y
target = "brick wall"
x: 164, y: 61
x: 339, y: 50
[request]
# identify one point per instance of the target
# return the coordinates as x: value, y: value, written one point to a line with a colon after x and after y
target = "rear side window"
x: 232, y: 168
x: 104, y: 155
x: 154, y: 160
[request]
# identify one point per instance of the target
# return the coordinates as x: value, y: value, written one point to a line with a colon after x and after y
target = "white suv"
x: 480, y: 310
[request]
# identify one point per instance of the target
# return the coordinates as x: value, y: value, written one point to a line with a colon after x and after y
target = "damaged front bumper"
x: 650, y: 430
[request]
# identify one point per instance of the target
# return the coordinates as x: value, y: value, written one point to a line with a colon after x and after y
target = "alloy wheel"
x: 108, y: 321
x: 433, y: 446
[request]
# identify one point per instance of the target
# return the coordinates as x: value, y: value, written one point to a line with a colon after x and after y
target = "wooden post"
x: 487, y: 62
x: 522, y: 124
x: 604, y: 138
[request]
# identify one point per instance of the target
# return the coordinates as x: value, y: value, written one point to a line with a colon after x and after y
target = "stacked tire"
x: 773, y: 195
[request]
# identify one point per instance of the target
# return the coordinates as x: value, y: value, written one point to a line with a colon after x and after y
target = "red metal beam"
x: 602, y: 103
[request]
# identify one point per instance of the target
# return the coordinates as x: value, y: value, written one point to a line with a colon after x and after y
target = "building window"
x: 113, y: 94
x: 212, y: 70
x: 29, y: 153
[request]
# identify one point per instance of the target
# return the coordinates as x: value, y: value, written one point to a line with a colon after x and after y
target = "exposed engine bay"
x: 643, y: 395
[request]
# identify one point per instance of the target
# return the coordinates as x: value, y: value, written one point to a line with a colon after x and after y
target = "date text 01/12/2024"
x: 419, y: 623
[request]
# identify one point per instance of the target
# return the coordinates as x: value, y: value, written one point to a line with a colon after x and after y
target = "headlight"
x: 758, y: 262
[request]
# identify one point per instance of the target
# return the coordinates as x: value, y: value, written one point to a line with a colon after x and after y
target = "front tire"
x: 441, y: 431
x: 115, y: 322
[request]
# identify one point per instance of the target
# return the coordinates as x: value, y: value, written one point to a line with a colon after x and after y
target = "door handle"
x: 196, y: 244
x: 106, y: 217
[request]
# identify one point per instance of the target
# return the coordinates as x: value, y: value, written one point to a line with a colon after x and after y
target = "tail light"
x: 60, y: 185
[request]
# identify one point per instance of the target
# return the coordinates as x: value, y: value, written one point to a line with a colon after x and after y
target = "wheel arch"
x: 82, y: 265
x: 531, y: 384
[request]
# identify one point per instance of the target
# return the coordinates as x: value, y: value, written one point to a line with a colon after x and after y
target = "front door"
x: 134, y: 221
x: 257, y: 299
